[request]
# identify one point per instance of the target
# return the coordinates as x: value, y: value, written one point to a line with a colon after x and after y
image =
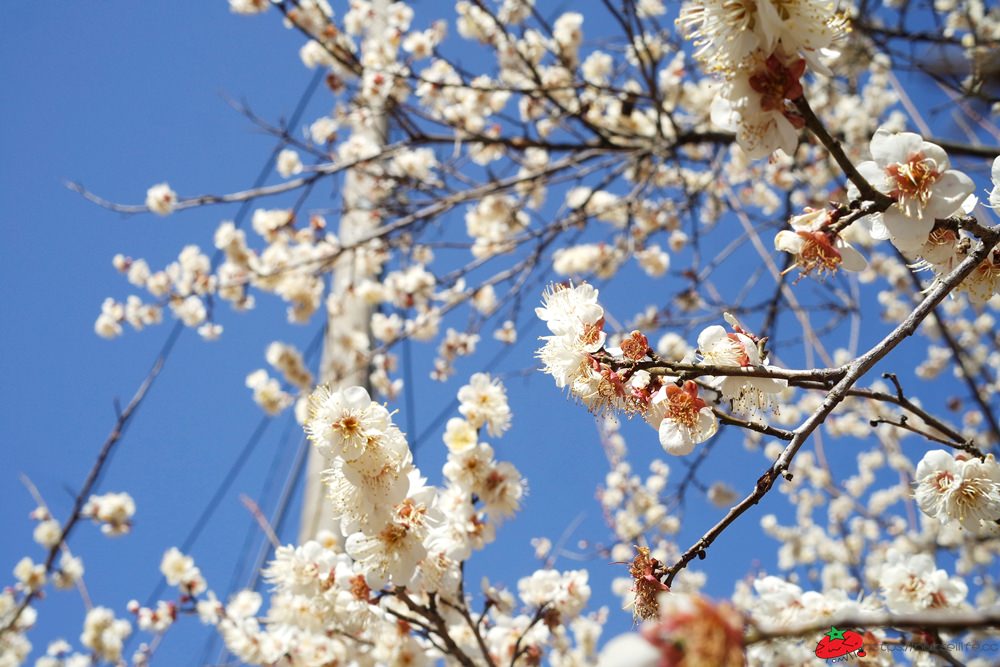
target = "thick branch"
x: 855, y: 371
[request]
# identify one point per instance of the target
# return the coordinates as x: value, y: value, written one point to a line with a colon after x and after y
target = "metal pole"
x: 340, y: 365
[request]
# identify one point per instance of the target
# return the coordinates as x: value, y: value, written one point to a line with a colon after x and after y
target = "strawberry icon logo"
x: 837, y: 643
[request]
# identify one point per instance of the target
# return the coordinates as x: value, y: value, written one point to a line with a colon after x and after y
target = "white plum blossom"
x: 755, y: 104
x: 966, y: 490
x: 289, y: 163
x: 179, y: 570
x: 567, y: 592
x: 47, y: 533
x: 267, y: 392
x: 815, y: 248
x: 726, y: 33
x: 362, y: 492
x: 682, y: 418
x: 69, y: 573
x: 248, y: 6
x: 104, y: 634
x: 916, y: 174
x: 912, y: 583
x: 114, y: 511
x: 394, y: 551
x: 160, y: 199
x: 628, y: 650
x: 749, y: 395
x: 344, y: 422
x: 29, y: 574
x: 576, y: 321
x: 483, y: 402
x: 459, y: 435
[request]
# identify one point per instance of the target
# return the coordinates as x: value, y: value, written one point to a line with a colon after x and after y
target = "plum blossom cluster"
x: 113, y: 511
x: 612, y: 378
x: 103, y: 634
x: 387, y: 586
x: 761, y: 50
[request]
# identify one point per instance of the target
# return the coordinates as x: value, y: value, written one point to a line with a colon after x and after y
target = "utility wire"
x: 258, y: 432
x: 280, y: 512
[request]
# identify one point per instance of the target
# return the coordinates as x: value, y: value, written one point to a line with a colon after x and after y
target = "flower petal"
x: 850, y: 259
x: 891, y: 148
x: 872, y: 173
x: 907, y: 234
x: 674, y: 439
x: 787, y: 241
x: 948, y: 194
x: 710, y: 335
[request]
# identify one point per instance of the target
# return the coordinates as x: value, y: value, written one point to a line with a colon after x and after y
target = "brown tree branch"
x: 855, y: 371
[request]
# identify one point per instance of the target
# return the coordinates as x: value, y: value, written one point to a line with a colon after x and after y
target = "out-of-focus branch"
x: 114, y: 437
x: 955, y: 621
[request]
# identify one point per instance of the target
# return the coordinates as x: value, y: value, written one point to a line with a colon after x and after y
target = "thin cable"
x: 277, y: 519
x: 277, y: 523
x: 213, y: 503
x: 284, y: 504
x: 161, y: 360
x: 411, y: 402
x: 258, y: 432
x: 269, y: 482
x: 251, y: 534
x: 252, y: 529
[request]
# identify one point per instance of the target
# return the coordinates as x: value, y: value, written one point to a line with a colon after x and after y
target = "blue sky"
x: 120, y: 95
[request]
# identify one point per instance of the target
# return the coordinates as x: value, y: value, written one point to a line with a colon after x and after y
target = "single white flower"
x: 967, y: 491
x: 576, y: 321
x: 289, y: 163
x: 459, y: 435
x: 682, y: 418
x: 160, y: 199
x: 393, y: 553
x: 343, y: 422
x: 104, y: 634
x: 725, y: 33
x: 912, y: 583
x: 483, y: 402
x: 756, y: 103
x: 749, y: 395
x: 248, y: 6
x: 915, y: 173
x: 813, y: 248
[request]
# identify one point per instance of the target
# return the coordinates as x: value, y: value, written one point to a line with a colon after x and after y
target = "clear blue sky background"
x: 121, y: 95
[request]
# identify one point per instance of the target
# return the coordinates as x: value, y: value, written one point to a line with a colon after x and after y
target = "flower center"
x: 359, y: 588
x: 944, y: 481
x: 739, y: 351
x: 913, y: 179
x: 348, y: 426
x: 592, y: 333
x: 818, y: 253
x: 493, y: 480
x: 776, y: 83
x: 410, y: 513
x: 392, y: 535
x: 683, y: 404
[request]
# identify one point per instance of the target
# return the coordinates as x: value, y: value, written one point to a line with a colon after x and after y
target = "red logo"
x: 837, y: 643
